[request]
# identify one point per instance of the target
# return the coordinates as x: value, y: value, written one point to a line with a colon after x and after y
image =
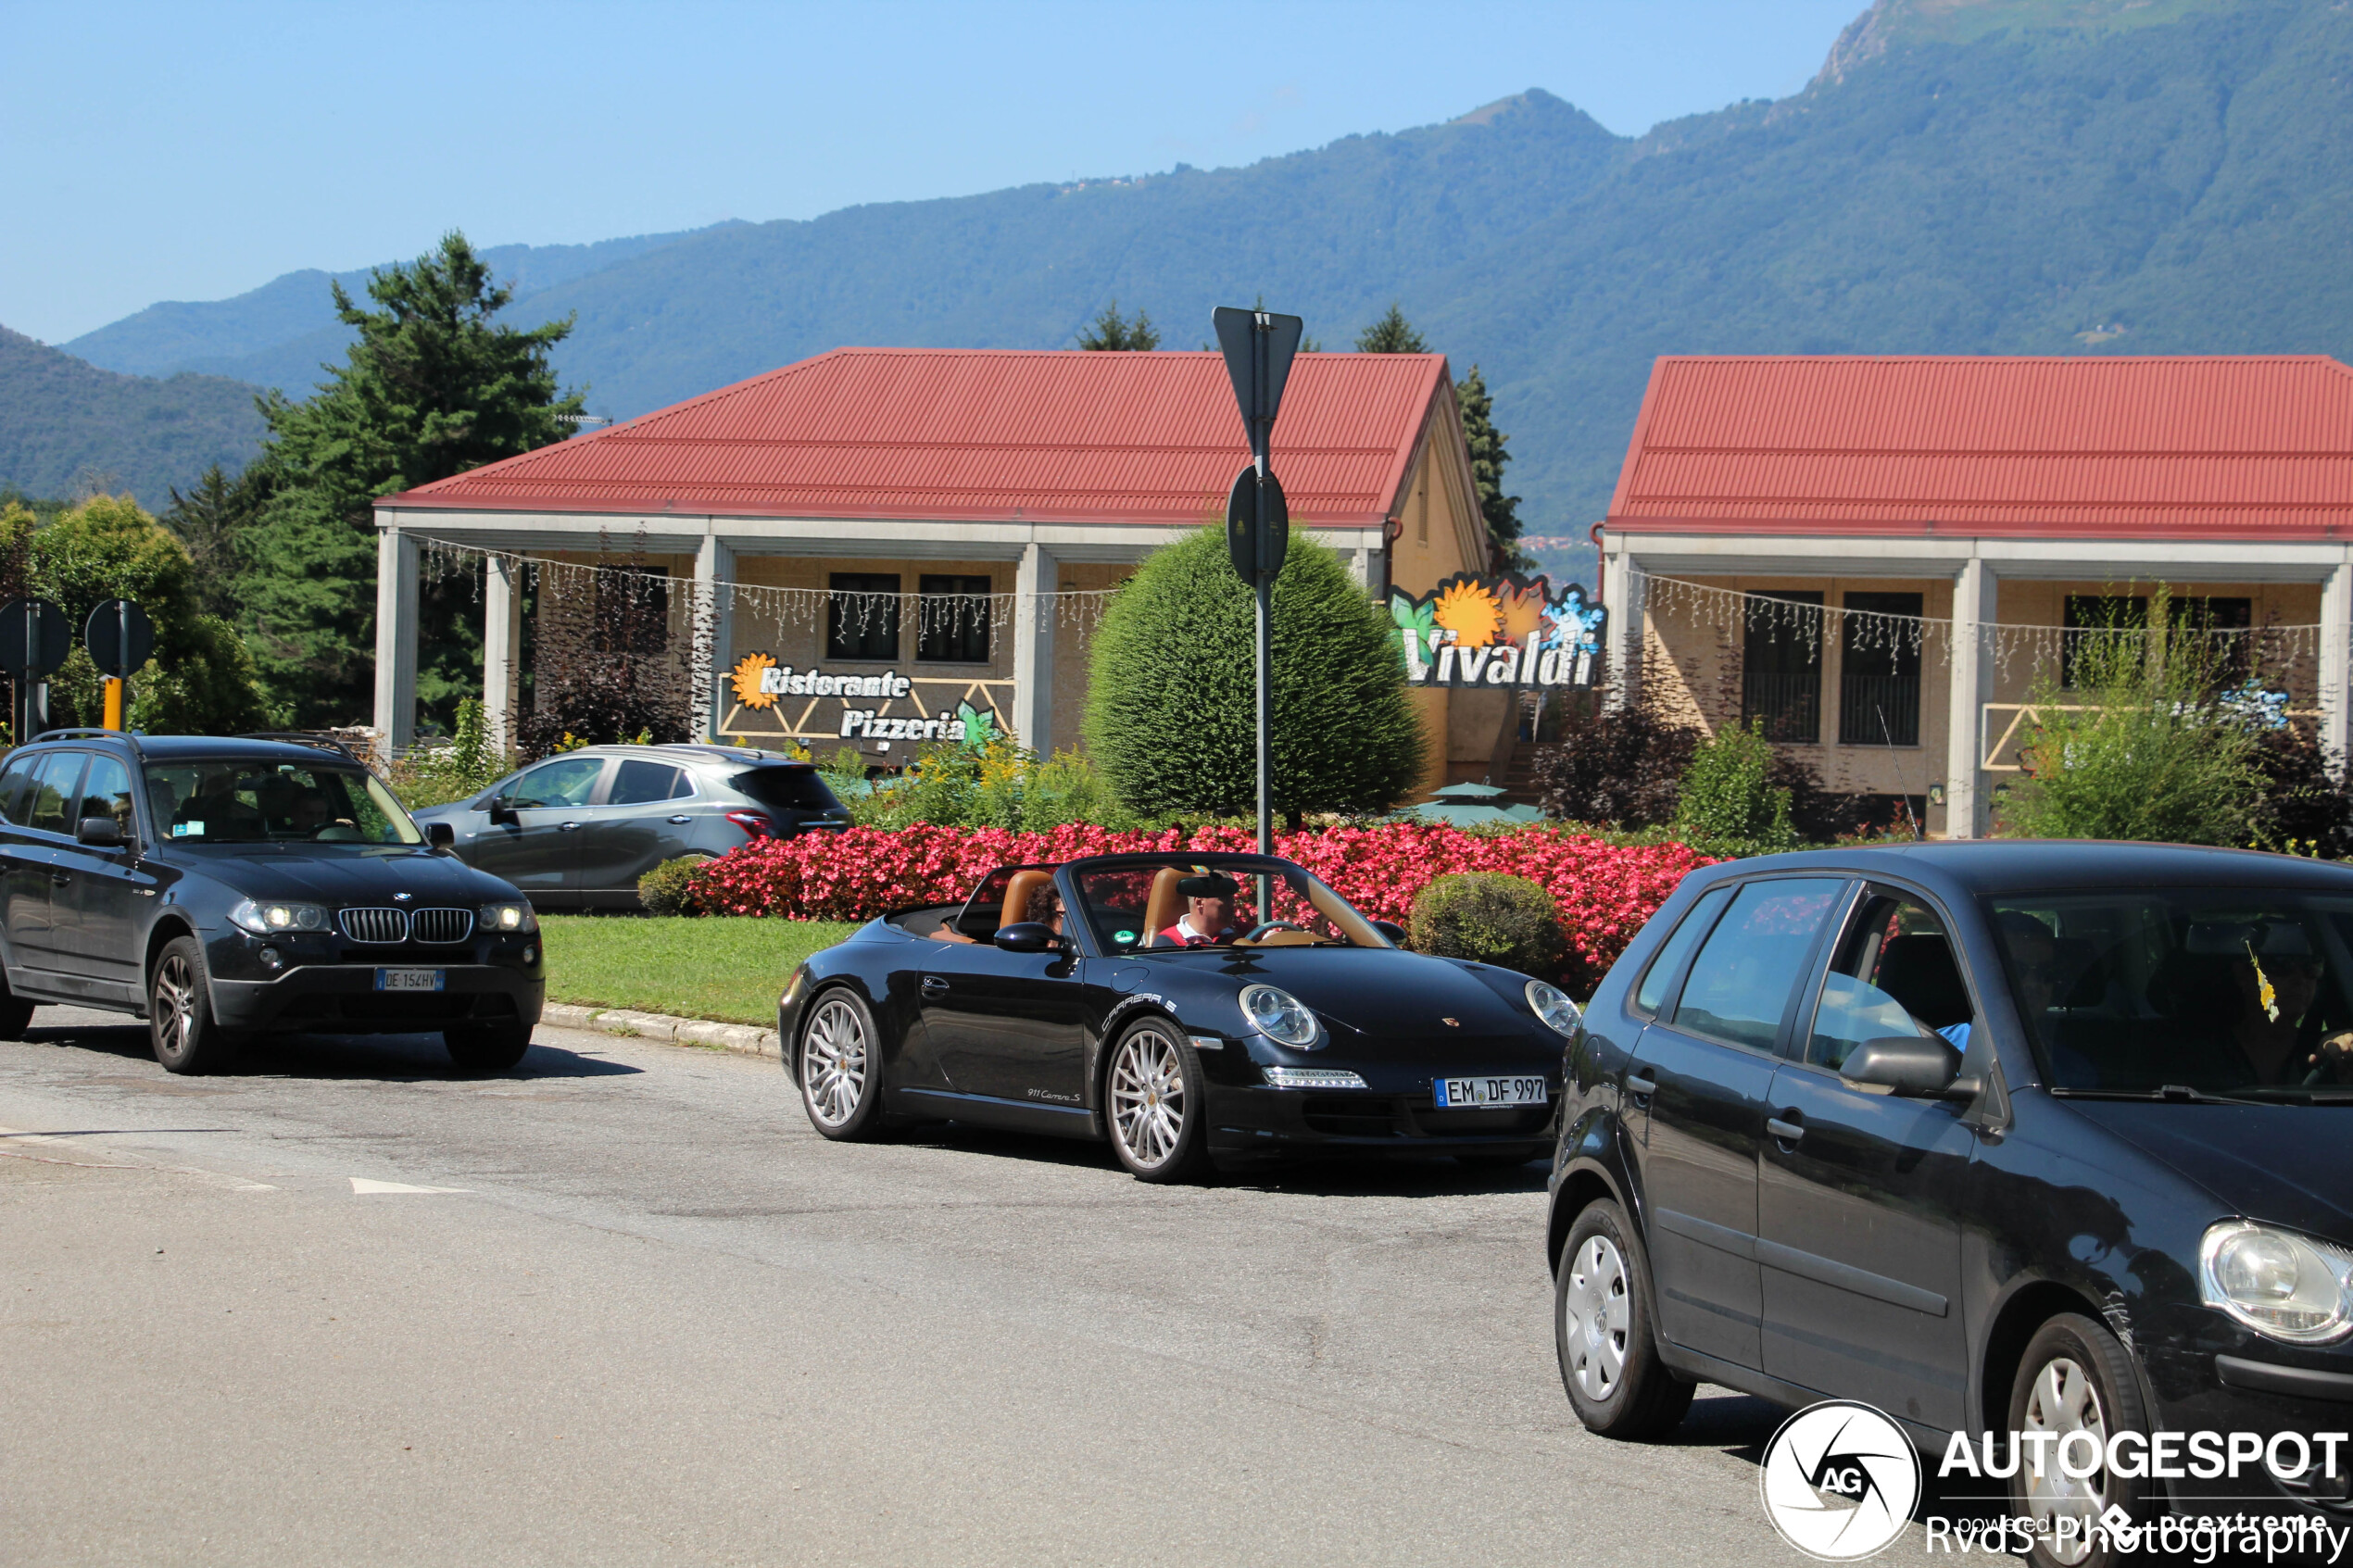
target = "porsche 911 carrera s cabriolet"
x: 1195, y: 1009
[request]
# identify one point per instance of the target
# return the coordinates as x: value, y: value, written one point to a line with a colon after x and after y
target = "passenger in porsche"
x: 1209, y: 914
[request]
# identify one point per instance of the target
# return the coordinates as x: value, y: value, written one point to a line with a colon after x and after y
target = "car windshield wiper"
x: 2177, y: 1093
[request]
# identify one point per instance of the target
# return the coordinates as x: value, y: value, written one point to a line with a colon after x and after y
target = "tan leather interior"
x: 949, y: 933
x: 1017, y: 894
x: 1283, y: 939
x: 1164, y: 907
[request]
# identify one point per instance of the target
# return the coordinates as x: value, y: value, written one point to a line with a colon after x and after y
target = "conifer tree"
x: 1487, y: 455
x: 1110, y: 330
x: 1392, y: 334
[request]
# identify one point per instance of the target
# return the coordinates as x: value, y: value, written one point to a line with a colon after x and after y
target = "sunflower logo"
x: 1470, y: 612
x: 747, y: 678
x: 1523, y: 612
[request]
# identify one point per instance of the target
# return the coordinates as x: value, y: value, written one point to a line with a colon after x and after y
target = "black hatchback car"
x: 220, y: 888
x: 2001, y: 1137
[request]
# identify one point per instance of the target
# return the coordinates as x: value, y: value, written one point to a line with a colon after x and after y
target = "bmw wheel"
x: 1603, y: 1330
x: 838, y: 1068
x: 1153, y: 1106
x: 187, y: 1039
x: 2074, y: 1382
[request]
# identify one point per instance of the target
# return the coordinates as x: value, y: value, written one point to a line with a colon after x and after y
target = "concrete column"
x: 1967, y: 796
x: 1033, y: 633
x: 396, y: 637
x: 2336, y: 664
x: 502, y: 649
x: 1624, y: 598
x: 714, y: 632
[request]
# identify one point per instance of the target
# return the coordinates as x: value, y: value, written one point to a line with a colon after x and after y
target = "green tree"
x: 2150, y: 753
x: 201, y: 678
x: 1392, y: 334
x: 1171, y: 704
x: 210, y: 521
x: 1487, y: 456
x: 1729, y: 798
x: 432, y: 388
x: 1110, y: 330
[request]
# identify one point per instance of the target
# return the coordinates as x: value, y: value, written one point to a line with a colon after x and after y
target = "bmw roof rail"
x: 132, y: 737
x: 303, y: 738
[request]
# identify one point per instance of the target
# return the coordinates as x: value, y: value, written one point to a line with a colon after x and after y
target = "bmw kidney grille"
x: 390, y: 925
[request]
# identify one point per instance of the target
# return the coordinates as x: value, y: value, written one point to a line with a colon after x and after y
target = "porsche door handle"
x: 1641, y: 1088
x: 934, y: 985
x: 1785, y: 1132
x: 60, y: 878
x: 567, y: 827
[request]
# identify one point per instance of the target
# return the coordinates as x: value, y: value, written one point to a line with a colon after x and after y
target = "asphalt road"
x: 664, y: 1322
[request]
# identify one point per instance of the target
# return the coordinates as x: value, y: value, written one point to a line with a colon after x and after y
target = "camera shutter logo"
x: 1840, y: 1481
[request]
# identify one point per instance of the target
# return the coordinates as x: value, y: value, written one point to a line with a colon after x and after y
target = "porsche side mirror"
x: 502, y: 815
x: 99, y: 833
x: 440, y: 836
x: 1392, y: 930
x: 1913, y: 1066
x: 1027, y: 937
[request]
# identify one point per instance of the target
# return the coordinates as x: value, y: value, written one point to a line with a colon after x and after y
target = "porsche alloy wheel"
x: 1152, y: 1101
x: 837, y: 1067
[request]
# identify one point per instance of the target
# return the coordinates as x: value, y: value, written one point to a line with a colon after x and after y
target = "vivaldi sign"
x: 1506, y: 631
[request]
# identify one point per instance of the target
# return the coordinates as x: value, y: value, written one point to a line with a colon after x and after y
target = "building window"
x: 1879, y: 671
x: 951, y: 619
x: 861, y: 616
x: 1781, y: 667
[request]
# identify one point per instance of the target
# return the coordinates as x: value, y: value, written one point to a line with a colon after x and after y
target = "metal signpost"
x: 1258, y: 346
x: 35, y: 638
x: 120, y: 638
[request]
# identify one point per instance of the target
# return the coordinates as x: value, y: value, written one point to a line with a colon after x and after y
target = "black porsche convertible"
x: 1192, y: 1008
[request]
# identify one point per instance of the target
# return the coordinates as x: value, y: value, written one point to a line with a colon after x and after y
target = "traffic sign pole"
x: 1258, y: 346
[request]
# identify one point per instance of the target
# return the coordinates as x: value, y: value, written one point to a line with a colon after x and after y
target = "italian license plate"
x: 1470, y: 1094
x: 411, y: 979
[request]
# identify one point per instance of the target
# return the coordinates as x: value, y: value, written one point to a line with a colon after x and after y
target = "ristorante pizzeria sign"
x: 1506, y: 631
x: 761, y: 685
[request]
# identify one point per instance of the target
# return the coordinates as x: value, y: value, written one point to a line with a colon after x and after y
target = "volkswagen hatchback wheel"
x: 2075, y: 1382
x: 1602, y: 1328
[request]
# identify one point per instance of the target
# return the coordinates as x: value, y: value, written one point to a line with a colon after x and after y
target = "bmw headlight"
x: 1281, y: 1016
x: 2279, y: 1284
x: 507, y: 920
x: 1552, y: 1004
x: 269, y: 917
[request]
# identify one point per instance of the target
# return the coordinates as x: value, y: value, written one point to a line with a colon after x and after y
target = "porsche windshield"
x: 234, y: 802
x: 1185, y: 903
x: 2179, y: 992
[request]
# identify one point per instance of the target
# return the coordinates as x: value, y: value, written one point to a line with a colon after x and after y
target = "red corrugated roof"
x: 2196, y: 448
x: 985, y: 434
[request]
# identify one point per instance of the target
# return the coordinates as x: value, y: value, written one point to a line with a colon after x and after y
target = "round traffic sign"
x: 119, y: 637
x: 1253, y: 557
x: 35, y: 638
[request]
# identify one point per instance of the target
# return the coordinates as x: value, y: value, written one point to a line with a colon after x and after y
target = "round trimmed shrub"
x: 1171, y: 705
x: 1487, y: 916
x: 664, y: 890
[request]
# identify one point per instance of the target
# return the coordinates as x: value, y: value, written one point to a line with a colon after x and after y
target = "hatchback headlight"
x: 1552, y: 1004
x: 1281, y: 1016
x: 507, y: 920
x: 269, y: 917
x: 2279, y: 1284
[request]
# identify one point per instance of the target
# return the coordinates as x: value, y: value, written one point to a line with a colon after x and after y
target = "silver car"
x: 576, y: 831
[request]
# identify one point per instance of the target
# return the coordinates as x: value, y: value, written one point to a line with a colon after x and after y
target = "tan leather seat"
x: 1164, y: 906
x: 1017, y: 896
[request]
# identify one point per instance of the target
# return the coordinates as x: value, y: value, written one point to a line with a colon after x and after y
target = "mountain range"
x: 1963, y: 176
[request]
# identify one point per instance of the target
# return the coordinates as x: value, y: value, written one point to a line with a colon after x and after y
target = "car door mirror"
x: 502, y: 815
x: 1392, y: 930
x: 1027, y: 937
x: 440, y: 836
x: 1915, y: 1066
x: 99, y: 833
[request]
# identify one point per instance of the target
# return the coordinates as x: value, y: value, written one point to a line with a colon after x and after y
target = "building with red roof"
x: 1881, y: 559
x: 947, y: 520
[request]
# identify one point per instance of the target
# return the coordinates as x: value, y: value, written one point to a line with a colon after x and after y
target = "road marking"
x: 362, y: 1185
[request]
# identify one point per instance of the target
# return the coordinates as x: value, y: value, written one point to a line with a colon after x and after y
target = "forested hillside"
x: 1966, y: 176
x: 67, y: 426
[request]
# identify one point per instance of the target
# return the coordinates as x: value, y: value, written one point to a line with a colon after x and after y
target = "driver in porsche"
x: 1209, y: 912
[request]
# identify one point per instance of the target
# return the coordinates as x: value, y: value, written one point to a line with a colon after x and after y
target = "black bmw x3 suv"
x: 221, y: 889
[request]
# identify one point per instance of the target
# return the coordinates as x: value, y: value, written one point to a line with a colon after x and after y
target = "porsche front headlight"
x: 1281, y: 1016
x: 1552, y: 1004
x: 2283, y: 1286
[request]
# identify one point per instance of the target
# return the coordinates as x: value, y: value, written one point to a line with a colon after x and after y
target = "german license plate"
x: 411, y: 979
x: 1471, y: 1093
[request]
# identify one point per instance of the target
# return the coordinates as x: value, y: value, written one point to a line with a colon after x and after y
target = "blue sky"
x: 195, y: 151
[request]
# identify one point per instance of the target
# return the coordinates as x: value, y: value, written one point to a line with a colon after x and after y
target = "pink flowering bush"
x: 1605, y: 891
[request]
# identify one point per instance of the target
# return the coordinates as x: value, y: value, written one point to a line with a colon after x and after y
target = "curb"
x: 739, y: 1037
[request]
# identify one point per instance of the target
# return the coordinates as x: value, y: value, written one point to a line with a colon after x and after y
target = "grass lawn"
x: 727, y: 968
